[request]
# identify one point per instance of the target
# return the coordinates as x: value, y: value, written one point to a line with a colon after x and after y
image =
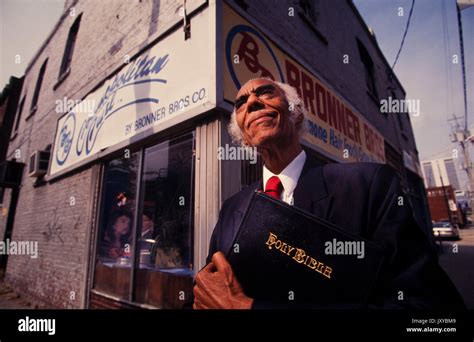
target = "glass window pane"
x: 112, y: 272
x: 164, y: 278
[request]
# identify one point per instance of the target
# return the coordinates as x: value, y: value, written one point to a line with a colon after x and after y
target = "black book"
x: 289, y: 257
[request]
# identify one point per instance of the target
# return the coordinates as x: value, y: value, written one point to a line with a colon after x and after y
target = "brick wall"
x: 54, y: 216
x: 4, y: 211
x: 108, y: 31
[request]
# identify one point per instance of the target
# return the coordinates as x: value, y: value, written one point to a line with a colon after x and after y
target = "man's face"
x: 262, y: 113
x: 147, y: 223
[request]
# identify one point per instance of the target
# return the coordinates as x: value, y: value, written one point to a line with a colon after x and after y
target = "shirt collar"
x: 290, y: 174
x: 146, y: 232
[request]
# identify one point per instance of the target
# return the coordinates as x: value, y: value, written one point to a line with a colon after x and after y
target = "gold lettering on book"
x: 299, y: 255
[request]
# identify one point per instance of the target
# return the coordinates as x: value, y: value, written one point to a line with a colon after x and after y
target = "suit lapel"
x: 311, y: 188
x: 238, y: 214
x: 248, y: 195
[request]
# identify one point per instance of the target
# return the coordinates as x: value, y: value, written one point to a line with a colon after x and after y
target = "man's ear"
x: 244, y: 141
x: 299, y: 120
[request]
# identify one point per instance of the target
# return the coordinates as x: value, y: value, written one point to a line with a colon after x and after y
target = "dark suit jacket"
x: 361, y: 198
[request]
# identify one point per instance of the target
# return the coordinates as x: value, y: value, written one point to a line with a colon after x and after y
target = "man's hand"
x: 218, y: 288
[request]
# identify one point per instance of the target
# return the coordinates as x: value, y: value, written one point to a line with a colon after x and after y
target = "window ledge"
x: 13, y: 136
x: 40, y: 181
x: 62, y: 77
x: 313, y: 27
x: 32, y: 112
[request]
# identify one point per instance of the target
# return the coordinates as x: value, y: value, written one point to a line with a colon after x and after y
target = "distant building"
x: 9, y: 121
x: 434, y: 170
x: 443, y: 206
x: 10, y: 171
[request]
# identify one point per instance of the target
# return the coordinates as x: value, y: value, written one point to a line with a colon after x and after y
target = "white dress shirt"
x: 289, y: 177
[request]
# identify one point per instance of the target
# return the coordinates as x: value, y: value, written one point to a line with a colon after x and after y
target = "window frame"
x: 311, y: 19
x: 399, y: 114
x: 137, y: 211
x: 369, y: 71
x: 65, y: 66
x: 16, y: 124
x: 38, y: 86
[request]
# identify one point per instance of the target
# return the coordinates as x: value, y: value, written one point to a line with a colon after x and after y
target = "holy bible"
x: 286, y: 256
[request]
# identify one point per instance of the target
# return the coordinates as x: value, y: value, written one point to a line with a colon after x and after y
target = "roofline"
x: 374, y: 41
x: 50, y: 36
x: 350, y: 2
x: 12, y: 82
x: 436, y: 159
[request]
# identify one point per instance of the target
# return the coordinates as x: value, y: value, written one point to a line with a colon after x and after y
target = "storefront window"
x: 163, y: 274
x: 164, y: 278
x: 112, y: 273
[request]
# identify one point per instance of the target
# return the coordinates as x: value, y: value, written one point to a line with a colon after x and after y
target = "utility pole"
x: 461, y: 133
x: 461, y: 136
x: 463, y: 65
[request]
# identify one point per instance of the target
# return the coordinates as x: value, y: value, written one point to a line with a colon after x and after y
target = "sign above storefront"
x: 332, y: 124
x: 168, y: 83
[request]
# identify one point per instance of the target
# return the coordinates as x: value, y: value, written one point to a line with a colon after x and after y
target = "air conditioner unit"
x: 39, y: 161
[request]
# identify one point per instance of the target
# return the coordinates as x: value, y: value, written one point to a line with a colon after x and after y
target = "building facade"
x: 124, y: 111
x: 440, y: 172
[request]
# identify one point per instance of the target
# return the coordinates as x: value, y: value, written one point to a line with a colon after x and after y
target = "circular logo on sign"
x: 250, y: 56
x: 65, y: 138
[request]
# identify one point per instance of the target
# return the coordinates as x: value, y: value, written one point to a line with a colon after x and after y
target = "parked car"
x: 445, y: 230
x: 454, y: 221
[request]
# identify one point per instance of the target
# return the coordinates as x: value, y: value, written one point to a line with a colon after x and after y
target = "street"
x: 459, y: 264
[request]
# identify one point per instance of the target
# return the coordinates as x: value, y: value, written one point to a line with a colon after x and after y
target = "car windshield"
x: 441, y: 225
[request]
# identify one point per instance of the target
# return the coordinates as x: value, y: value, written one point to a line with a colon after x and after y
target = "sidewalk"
x: 458, y: 264
x: 9, y: 299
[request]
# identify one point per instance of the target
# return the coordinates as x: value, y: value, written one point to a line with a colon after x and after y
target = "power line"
x: 404, y: 34
x: 461, y: 46
x: 447, y: 65
x: 441, y: 154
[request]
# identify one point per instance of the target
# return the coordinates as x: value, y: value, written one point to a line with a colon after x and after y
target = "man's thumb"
x: 221, y: 263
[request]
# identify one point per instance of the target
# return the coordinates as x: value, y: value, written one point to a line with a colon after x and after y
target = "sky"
x: 24, y: 26
x: 424, y: 68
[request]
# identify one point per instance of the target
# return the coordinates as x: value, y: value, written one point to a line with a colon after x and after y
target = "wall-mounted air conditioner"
x: 39, y: 161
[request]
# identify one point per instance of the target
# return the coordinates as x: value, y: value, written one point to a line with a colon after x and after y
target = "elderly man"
x: 361, y: 198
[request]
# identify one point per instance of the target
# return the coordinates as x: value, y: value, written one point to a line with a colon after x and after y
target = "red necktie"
x: 274, y: 187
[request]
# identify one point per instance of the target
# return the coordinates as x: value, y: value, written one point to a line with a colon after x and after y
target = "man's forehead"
x: 252, y: 84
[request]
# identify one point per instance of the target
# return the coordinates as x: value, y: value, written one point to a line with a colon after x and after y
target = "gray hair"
x: 296, y: 108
